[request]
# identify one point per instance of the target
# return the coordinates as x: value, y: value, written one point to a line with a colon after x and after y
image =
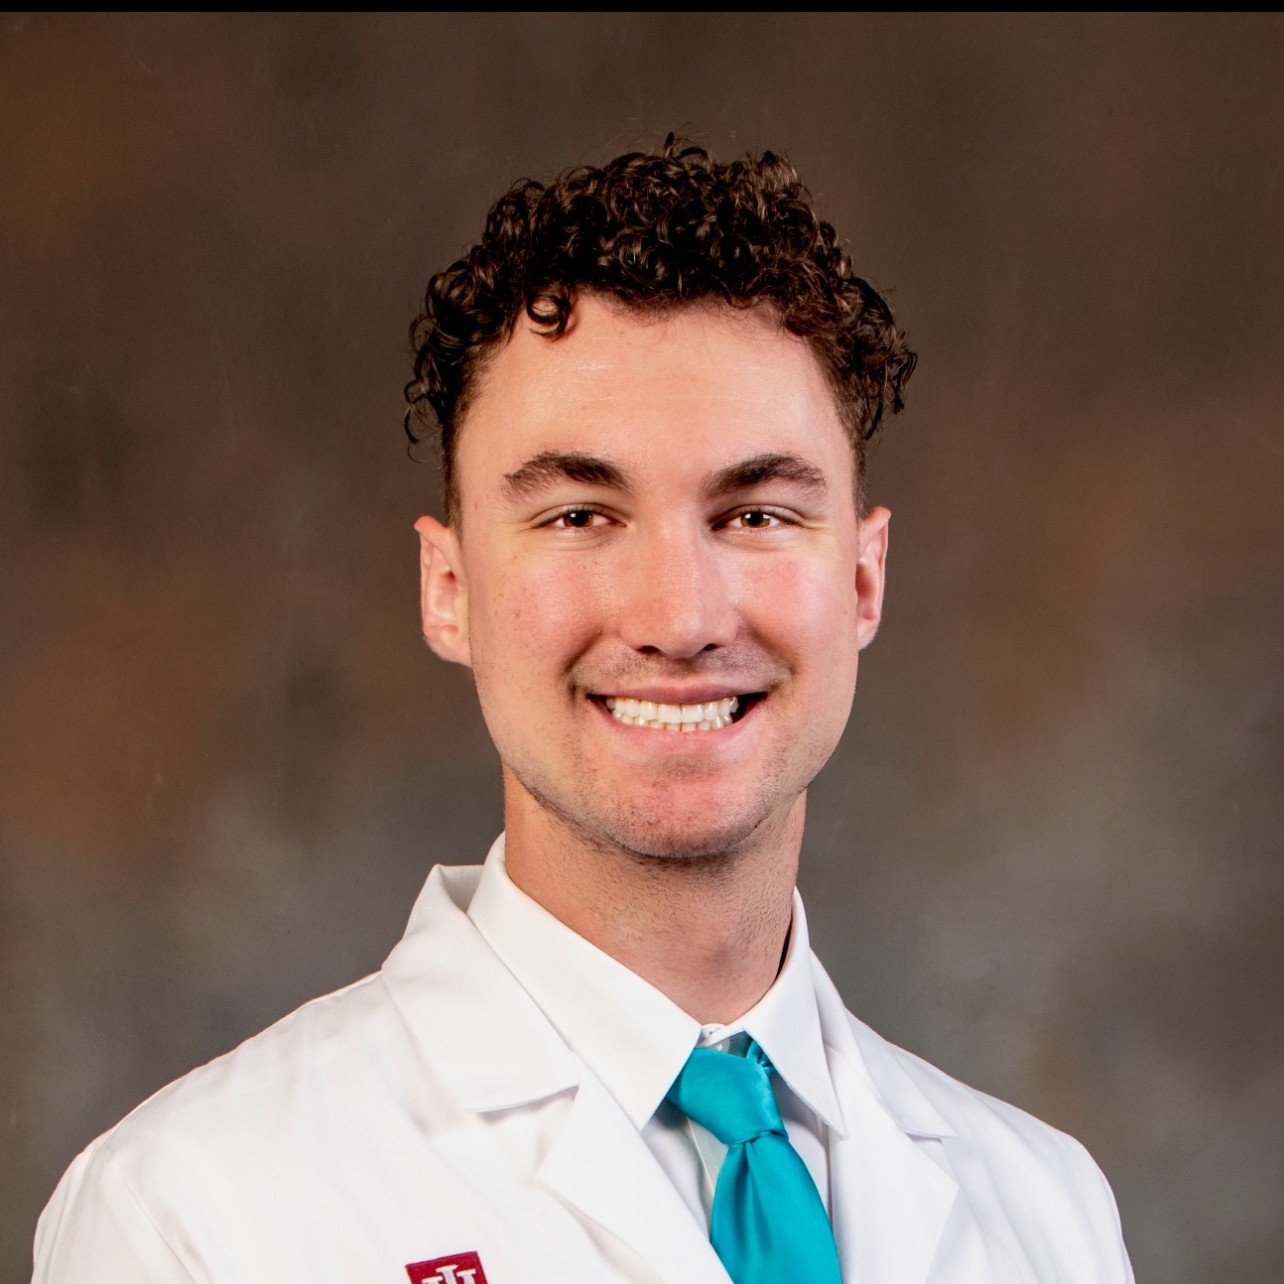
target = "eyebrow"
x: 759, y: 469
x: 550, y: 467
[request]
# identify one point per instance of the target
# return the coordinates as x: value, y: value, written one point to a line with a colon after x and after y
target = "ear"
x: 871, y: 574
x: 443, y: 591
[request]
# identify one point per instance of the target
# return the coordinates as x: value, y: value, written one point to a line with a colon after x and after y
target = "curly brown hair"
x: 655, y: 231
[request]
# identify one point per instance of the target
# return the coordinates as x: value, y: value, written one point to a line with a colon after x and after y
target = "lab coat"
x: 431, y: 1111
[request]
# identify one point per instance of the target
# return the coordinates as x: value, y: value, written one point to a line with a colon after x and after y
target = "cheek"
x: 530, y: 619
x: 809, y: 607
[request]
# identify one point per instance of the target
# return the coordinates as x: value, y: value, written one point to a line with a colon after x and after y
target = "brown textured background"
x: 1047, y: 855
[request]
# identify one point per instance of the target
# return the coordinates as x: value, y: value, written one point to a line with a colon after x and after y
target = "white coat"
x: 430, y: 1111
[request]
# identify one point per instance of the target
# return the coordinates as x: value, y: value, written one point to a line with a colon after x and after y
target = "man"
x: 609, y: 1054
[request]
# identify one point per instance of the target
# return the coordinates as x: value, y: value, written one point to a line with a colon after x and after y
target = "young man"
x: 609, y: 1054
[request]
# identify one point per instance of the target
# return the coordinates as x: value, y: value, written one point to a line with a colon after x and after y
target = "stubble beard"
x: 634, y: 832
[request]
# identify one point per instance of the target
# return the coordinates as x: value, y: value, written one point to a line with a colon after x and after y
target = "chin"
x: 668, y: 837
x: 665, y: 825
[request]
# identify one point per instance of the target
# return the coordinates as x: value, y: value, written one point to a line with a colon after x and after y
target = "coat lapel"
x: 468, y: 1014
x: 892, y: 1196
x: 600, y: 1165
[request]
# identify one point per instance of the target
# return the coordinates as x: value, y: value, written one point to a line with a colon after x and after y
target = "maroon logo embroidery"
x: 458, y: 1268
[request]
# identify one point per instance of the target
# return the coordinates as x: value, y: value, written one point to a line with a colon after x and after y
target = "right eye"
x: 579, y: 518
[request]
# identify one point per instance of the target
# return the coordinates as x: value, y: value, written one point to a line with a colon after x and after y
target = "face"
x: 658, y: 577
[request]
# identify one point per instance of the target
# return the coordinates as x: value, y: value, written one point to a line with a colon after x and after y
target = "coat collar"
x: 465, y: 1011
x: 633, y: 1038
x: 876, y: 1064
x: 892, y: 1194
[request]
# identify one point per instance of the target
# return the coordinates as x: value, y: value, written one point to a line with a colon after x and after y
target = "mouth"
x: 710, y: 715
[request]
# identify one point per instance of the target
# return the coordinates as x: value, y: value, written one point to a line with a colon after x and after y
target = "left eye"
x: 754, y: 519
x: 576, y: 519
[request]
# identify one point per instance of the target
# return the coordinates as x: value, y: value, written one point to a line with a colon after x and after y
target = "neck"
x: 708, y: 932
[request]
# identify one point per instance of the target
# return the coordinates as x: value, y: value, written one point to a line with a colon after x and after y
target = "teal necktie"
x: 768, y: 1223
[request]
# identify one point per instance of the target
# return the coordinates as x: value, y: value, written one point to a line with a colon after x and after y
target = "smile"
x: 712, y: 716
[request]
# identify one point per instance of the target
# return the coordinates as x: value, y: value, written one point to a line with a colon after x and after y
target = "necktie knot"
x: 731, y: 1096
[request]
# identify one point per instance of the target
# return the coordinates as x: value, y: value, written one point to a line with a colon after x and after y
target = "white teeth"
x: 673, y: 717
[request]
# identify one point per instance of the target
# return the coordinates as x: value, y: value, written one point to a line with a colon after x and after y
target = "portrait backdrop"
x: 1047, y: 855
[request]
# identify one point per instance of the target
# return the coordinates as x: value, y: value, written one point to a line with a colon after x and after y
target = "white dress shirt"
x: 636, y: 1040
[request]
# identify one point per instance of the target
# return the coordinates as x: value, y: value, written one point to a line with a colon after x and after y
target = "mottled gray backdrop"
x: 1048, y: 853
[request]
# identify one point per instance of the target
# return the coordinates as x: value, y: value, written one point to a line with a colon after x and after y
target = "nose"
x: 676, y: 599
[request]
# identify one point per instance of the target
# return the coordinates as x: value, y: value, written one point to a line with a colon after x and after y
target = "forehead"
x: 703, y: 384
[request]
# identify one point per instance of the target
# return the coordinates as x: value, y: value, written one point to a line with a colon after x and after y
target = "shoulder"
x: 293, y: 1090
x: 1036, y: 1192
x: 1039, y: 1184
x: 925, y: 1101
x: 1008, y: 1138
x: 1036, y: 1182
x: 216, y: 1139
x: 299, y: 1078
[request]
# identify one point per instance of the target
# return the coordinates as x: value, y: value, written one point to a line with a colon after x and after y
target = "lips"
x: 710, y: 715
x: 660, y: 710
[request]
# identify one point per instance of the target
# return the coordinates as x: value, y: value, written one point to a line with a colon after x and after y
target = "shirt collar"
x: 633, y: 1037
x: 786, y: 1024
